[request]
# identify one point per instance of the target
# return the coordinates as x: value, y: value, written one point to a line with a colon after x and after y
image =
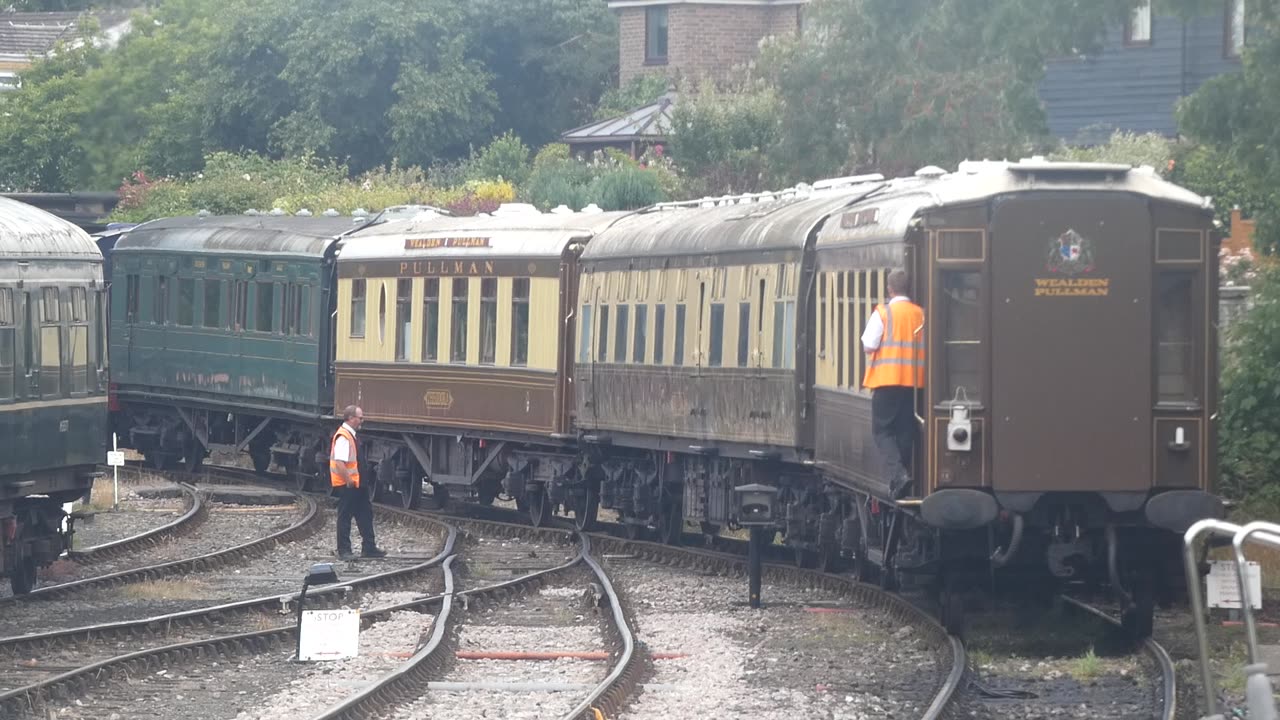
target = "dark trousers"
x: 354, y: 502
x: 893, y: 425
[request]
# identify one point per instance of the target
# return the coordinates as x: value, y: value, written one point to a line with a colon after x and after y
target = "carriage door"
x: 1071, y: 342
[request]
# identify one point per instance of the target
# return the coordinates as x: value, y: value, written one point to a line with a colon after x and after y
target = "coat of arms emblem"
x: 1070, y: 254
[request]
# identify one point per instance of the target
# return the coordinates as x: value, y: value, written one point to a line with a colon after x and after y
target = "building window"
x: 430, y: 319
x: 404, y: 316
x: 458, y: 322
x: 186, y: 302
x: 655, y: 35
x: 357, y: 308
x: 266, y: 307
x: 212, y: 302
x: 520, y: 322
x: 1235, y: 36
x: 1137, y: 30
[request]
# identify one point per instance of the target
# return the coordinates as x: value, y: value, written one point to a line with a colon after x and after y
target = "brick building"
x: 28, y: 36
x: 698, y: 39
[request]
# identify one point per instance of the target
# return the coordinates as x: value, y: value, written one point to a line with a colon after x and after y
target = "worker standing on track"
x: 894, y: 344
x: 353, y: 500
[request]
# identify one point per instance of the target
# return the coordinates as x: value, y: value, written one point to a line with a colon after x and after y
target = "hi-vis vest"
x: 352, y: 467
x: 900, y: 358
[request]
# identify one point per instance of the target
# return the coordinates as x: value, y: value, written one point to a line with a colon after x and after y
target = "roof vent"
x: 252, y: 212
x: 360, y: 213
x: 832, y: 183
x: 931, y: 172
x: 331, y: 213
x: 202, y: 214
x: 515, y: 209
x: 592, y: 208
x: 562, y: 209
x: 277, y: 212
x: 303, y: 213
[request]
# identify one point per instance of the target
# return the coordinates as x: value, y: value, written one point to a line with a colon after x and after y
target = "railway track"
x: 196, y: 512
x: 1167, y: 705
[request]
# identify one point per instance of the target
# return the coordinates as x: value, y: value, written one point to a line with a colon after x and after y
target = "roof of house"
x: 649, y: 123
x: 33, y: 34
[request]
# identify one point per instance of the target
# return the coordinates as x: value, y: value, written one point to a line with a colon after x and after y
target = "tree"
x: 550, y: 61
x: 723, y: 140
x: 892, y: 85
x: 1235, y: 115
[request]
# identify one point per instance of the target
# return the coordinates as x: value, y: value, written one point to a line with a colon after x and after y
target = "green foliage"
x: 892, y: 85
x: 1234, y: 116
x: 638, y: 92
x: 1249, y: 428
x: 1128, y: 148
x: 723, y: 140
x: 504, y: 158
x: 626, y: 188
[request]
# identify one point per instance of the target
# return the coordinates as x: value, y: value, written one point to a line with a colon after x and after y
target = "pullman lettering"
x: 1073, y: 287
x: 448, y: 242
x: 447, y: 267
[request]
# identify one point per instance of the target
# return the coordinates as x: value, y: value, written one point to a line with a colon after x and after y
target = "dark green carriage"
x: 221, y: 329
x: 53, y: 399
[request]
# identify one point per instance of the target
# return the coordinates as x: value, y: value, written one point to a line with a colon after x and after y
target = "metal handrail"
x: 1258, y: 695
x: 1191, y: 541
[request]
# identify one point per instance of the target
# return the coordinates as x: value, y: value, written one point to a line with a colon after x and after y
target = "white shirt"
x: 874, y: 331
x: 342, y: 447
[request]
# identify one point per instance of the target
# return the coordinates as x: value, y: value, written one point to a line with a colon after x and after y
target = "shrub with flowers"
x: 1236, y: 268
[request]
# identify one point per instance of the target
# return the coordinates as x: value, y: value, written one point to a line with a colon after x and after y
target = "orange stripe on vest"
x: 352, y: 467
x: 899, y: 361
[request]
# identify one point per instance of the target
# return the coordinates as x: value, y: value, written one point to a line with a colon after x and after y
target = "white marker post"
x: 115, y: 459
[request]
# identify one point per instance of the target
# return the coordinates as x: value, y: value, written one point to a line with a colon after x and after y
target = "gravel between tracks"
x: 262, y: 687
x: 280, y: 571
x: 807, y: 653
x: 133, y: 516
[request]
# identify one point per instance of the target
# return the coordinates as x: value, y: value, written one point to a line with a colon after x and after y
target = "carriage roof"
x: 238, y: 235
x: 27, y: 232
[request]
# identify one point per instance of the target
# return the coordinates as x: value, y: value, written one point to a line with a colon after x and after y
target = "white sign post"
x: 115, y: 459
x: 1224, y: 586
x: 329, y: 635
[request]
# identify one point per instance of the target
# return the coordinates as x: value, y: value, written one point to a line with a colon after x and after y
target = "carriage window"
x: 458, y: 321
x: 100, y: 333
x: 841, y: 300
x: 520, y: 322
x: 659, y: 333
x: 131, y: 297
x: 962, y: 333
x: 7, y: 344
x: 822, y: 314
x: 620, y: 337
x: 50, y: 310
x: 717, y: 335
x: 186, y: 302
x: 382, y: 313
x: 602, y: 348
x: 50, y: 361
x: 404, y: 316
x: 744, y: 333
x: 677, y: 350
x: 430, y: 319
x: 161, y: 315
x: 584, y: 340
x: 1174, y: 343
x: 241, y: 300
x: 286, y: 317
x: 488, y: 321
x: 358, y: 319
x: 212, y: 302
x: 79, y: 303
x: 304, y: 310
x: 79, y: 336
x: 852, y: 338
x: 638, y: 345
x: 266, y: 307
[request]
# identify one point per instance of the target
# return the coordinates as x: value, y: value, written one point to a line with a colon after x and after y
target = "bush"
x: 506, y: 158
x: 1137, y: 149
x: 1249, y: 432
x: 627, y: 188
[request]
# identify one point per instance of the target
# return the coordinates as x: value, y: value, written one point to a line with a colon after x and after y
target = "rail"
x: 197, y: 511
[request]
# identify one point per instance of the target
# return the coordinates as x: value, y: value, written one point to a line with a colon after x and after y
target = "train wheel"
x: 584, y: 514
x: 411, y: 493
x: 538, y: 506
x: 828, y: 558
x: 671, y: 523
x: 1139, y: 618
x: 23, y: 576
x: 633, y: 530
x: 261, y: 459
x: 192, y: 455
x: 861, y: 567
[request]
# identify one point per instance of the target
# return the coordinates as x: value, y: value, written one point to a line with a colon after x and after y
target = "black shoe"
x: 346, y: 555
x: 374, y: 553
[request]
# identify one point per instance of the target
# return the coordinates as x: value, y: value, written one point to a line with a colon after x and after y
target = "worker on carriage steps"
x: 894, y: 344
x: 353, y: 500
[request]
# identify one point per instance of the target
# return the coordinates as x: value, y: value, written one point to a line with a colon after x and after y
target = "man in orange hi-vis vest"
x: 353, y: 500
x: 894, y: 344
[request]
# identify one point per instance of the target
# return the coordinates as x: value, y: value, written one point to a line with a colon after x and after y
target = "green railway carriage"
x: 53, y: 399
x: 221, y: 326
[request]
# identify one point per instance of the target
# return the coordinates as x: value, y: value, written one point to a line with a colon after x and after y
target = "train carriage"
x: 455, y: 335
x: 53, y: 389
x: 222, y: 332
